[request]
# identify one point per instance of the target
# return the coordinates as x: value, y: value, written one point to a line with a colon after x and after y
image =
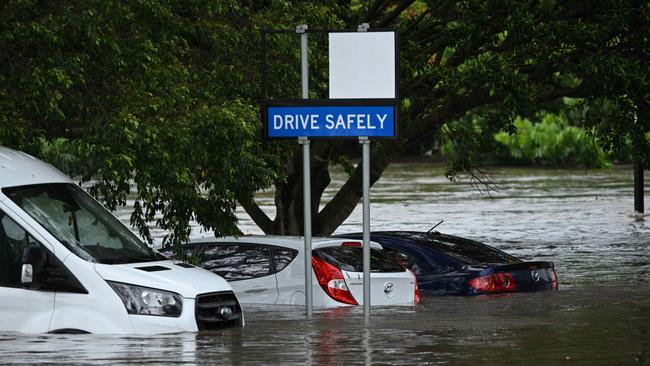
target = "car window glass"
x: 12, y: 230
x: 237, y: 262
x: 72, y: 226
x: 13, y: 241
x: 80, y: 223
x: 351, y: 259
x: 405, y: 259
x: 187, y: 249
x: 402, y: 258
x: 464, y: 250
x: 282, y: 257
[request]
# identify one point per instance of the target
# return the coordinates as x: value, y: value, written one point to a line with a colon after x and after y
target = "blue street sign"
x: 330, y: 121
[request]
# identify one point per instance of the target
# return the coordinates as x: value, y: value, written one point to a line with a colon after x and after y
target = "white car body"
x: 287, y: 285
x: 82, y: 300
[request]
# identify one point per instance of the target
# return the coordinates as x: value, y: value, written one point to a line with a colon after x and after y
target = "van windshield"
x: 81, y: 224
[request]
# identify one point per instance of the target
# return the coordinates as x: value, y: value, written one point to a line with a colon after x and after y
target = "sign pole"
x: 306, y: 173
x: 365, y: 144
x: 362, y: 104
x: 638, y: 170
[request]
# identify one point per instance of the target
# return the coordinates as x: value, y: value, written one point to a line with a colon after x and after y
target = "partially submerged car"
x: 271, y: 270
x: 452, y: 265
x: 67, y: 265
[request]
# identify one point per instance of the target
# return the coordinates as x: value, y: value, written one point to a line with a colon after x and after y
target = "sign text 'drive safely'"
x: 330, y: 121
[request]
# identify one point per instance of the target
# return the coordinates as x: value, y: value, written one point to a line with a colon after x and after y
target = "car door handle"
x: 255, y: 290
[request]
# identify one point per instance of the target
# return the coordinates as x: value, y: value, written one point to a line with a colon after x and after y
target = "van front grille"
x: 217, y: 310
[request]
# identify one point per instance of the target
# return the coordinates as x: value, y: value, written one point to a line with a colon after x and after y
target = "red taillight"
x: 553, y: 276
x: 416, y: 296
x: 331, y: 281
x: 355, y: 244
x: 497, y: 282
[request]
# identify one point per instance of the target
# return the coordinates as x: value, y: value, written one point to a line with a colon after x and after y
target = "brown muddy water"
x: 578, y: 219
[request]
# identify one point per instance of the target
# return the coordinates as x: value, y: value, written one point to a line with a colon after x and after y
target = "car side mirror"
x: 33, y: 265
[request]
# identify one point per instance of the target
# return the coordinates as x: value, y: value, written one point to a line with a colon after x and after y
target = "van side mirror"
x: 33, y: 265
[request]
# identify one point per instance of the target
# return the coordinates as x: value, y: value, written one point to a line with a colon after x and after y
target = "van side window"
x: 237, y: 262
x: 13, y: 241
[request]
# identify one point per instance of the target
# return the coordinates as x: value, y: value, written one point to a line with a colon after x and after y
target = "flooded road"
x: 580, y: 220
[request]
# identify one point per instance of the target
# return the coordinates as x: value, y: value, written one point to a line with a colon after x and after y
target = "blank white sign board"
x: 362, y: 65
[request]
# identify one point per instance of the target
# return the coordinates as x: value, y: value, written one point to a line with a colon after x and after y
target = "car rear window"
x: 351, y: 259
x: 466, y: 251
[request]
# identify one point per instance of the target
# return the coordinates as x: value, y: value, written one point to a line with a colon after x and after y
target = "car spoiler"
x: 337, y: 242
x: 524, y: 266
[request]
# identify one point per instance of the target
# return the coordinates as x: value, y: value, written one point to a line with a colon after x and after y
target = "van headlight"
x: 148, y: 301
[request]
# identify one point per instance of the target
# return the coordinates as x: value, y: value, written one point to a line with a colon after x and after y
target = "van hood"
x: 183, y: 279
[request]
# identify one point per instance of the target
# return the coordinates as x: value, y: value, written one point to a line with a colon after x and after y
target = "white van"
x: 67, y: 265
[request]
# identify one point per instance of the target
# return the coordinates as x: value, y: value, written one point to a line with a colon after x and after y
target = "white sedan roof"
x: 293, y: 242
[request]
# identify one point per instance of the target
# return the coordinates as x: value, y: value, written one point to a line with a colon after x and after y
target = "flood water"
x: 580, y: 220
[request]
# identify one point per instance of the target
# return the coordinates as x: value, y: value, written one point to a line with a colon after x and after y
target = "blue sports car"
x: 451, y: 265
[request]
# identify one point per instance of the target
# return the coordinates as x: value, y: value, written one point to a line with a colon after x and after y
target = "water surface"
x: 581, y: 220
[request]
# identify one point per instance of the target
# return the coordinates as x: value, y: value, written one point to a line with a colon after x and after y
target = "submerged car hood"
x: 187, y: 281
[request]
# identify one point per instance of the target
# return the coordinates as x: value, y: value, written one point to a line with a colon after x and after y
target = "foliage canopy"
x: 163, y: 94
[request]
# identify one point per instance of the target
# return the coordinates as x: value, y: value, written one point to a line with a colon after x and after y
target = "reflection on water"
x: 586, y: 326
x: 577, y: 219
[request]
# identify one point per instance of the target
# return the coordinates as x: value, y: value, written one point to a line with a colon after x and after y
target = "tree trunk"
x: 289, y: 195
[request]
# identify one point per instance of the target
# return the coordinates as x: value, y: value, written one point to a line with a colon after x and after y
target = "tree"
x: 164, y: 94
x: 121, y: 93
x: 498, y: 59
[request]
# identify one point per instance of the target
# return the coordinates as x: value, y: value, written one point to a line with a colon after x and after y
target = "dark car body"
x: 452, y: 265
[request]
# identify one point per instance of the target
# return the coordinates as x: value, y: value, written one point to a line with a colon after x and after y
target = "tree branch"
x: 395, y: 13
x: 347, y: 198
x: 578, y: 91
x: 373, y: 10
x: 415, y: 23
x: 257, y: 215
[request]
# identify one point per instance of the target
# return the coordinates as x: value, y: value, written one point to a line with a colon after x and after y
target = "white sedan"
x: 271, y: 270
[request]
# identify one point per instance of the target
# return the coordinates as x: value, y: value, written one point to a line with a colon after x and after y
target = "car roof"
x: 416, y: 238
x: 410, y: 234
x: 18, y: 168
x: 292, y: 242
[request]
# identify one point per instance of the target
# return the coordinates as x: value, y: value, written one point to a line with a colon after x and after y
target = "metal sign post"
x: 638, y: 170
x: 306, y: 173
x: 365, y: 144
x: 363, y: 104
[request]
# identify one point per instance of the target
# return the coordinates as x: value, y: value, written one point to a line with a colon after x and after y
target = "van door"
x: 247, y: 267
x: 21, y: 309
